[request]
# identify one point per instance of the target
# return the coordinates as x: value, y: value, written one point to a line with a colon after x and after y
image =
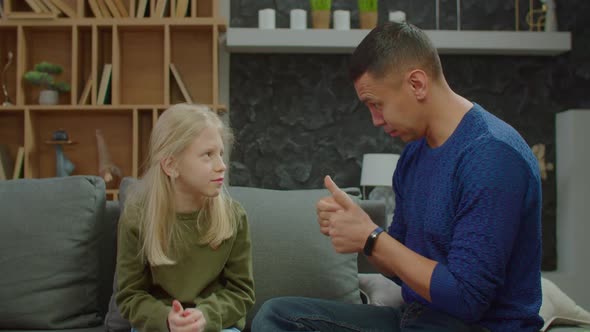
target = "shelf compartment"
x: 81, y: 127
x: 140, y: 64
x: 84, y: 63
x: 12, y: 131
x: 203, y: 8
x: 102, y: 42
x: 191, y: 52
x: 51, y: 44
x: 146, y: 121
x: 252, y: 40
x: 8, y: 43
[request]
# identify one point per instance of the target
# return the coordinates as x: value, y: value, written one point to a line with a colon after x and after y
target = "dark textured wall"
x: 297, y: 118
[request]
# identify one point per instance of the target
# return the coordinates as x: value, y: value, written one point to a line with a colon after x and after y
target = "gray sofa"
x: 58, y: 238
x: 58, y: 248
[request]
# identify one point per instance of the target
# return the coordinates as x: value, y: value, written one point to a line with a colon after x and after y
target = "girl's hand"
x: 185, y: 320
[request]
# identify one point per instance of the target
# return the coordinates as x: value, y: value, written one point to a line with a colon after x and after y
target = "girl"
x: 184, y: 253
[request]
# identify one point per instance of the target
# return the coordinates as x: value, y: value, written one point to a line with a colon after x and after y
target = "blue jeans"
x: 306, y: 314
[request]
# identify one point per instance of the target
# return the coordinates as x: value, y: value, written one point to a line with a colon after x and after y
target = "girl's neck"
x: 187, y: 203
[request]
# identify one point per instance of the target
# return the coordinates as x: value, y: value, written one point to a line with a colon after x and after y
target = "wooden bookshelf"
x: 140, y: 51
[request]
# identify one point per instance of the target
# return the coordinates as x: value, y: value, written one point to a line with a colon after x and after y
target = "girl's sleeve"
x: 229, y: 305
x: 135, y: 303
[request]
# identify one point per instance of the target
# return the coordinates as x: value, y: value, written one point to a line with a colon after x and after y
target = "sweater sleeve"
x: 228, y: 306
x: 493, y: 183
x: 397, y: 228
x: 133, y: 280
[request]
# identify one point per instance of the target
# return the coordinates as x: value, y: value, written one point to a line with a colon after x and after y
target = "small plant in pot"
x: 320, y: 13
x: 368, y: 13
x: 43, y: 76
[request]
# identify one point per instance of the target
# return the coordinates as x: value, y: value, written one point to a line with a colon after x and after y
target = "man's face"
x: 393, y: 106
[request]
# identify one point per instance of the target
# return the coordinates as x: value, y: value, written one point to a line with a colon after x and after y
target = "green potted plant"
x: 368, y: 13
x: 320, y: 13
x: 43, y: 76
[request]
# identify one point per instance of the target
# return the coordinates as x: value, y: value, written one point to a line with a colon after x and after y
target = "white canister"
x: 341, y: 20
x: 266, y: 18
x: 397, y: 16
x: 298, y: 19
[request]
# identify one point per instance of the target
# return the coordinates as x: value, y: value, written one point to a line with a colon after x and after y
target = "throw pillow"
x: 559, y: 309
x: 49, y: 237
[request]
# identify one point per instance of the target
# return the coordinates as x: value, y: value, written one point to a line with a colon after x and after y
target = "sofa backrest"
x: 290, y: 255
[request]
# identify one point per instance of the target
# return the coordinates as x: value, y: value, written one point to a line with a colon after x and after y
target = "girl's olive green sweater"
x: 218, y: 282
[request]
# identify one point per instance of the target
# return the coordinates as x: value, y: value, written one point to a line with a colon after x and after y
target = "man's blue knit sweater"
x: 474, y: 206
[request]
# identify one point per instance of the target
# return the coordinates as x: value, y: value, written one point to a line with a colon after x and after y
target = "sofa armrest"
x: 376, y: 210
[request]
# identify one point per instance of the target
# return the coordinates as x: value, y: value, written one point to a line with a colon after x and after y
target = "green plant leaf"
x: 321, y: 4
x: 43, y: 77
x: 367, y: 5
x: 48, y: 67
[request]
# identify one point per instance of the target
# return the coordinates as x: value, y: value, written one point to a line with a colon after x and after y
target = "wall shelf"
x: 252, y: 40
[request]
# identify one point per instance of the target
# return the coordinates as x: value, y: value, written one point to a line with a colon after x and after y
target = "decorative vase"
x: 368, y: 20
x: 320, y: 19
x: 48, y: 97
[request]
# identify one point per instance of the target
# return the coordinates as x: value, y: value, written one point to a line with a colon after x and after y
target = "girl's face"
x: 201, y: 168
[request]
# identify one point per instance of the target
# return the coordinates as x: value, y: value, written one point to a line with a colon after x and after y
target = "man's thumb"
x: 176, y: 306
x: 340, y: 196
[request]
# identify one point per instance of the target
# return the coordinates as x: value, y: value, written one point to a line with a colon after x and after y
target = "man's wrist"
x: 370, y: 242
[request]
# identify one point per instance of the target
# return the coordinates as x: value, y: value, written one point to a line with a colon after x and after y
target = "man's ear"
x: 169, y: 167
x: 419, y: 83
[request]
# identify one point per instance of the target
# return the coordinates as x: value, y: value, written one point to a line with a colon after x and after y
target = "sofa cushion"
x: 290, y: 255
x: 49, y: 239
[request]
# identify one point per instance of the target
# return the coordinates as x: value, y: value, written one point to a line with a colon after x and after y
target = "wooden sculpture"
x: 539, y: 152
x: 106, y: 168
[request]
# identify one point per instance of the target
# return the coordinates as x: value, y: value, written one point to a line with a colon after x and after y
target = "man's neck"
x: 446, y: 110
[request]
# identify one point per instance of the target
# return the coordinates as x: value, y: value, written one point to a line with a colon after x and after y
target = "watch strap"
x: 370, y: 243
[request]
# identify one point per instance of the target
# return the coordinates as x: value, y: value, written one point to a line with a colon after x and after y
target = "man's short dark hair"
x: 394, y: 47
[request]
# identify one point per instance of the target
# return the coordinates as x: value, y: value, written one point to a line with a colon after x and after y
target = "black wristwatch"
x: 368, y: 249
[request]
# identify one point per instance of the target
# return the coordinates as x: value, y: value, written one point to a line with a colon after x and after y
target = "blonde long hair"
x: 153, y: 196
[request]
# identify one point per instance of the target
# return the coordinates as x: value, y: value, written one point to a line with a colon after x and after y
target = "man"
x: 465, y: 241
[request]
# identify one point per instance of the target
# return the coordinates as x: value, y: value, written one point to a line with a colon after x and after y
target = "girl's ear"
x: 169, y: 167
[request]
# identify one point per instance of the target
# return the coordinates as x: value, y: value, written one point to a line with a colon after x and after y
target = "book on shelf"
x: 6, y: 163
x: 1, y: 9
x: 86, y: 92
x: 37, y: 7
x: 51, y: 7
x: 121, y: 7
x: 104, y: 9
x: 104, y: 88
x: 65, y: 8
x: 95, y: 9
x: 30, y: 16
x: 182, y: 7
x: 180, y: 84
x: 160, y: 8
x: 141, y: 8
x: 43, y: 6
x: 19, y: 163
x: 113, y: 8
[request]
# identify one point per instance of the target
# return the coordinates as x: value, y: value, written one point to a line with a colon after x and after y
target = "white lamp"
x: 377, y: 172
